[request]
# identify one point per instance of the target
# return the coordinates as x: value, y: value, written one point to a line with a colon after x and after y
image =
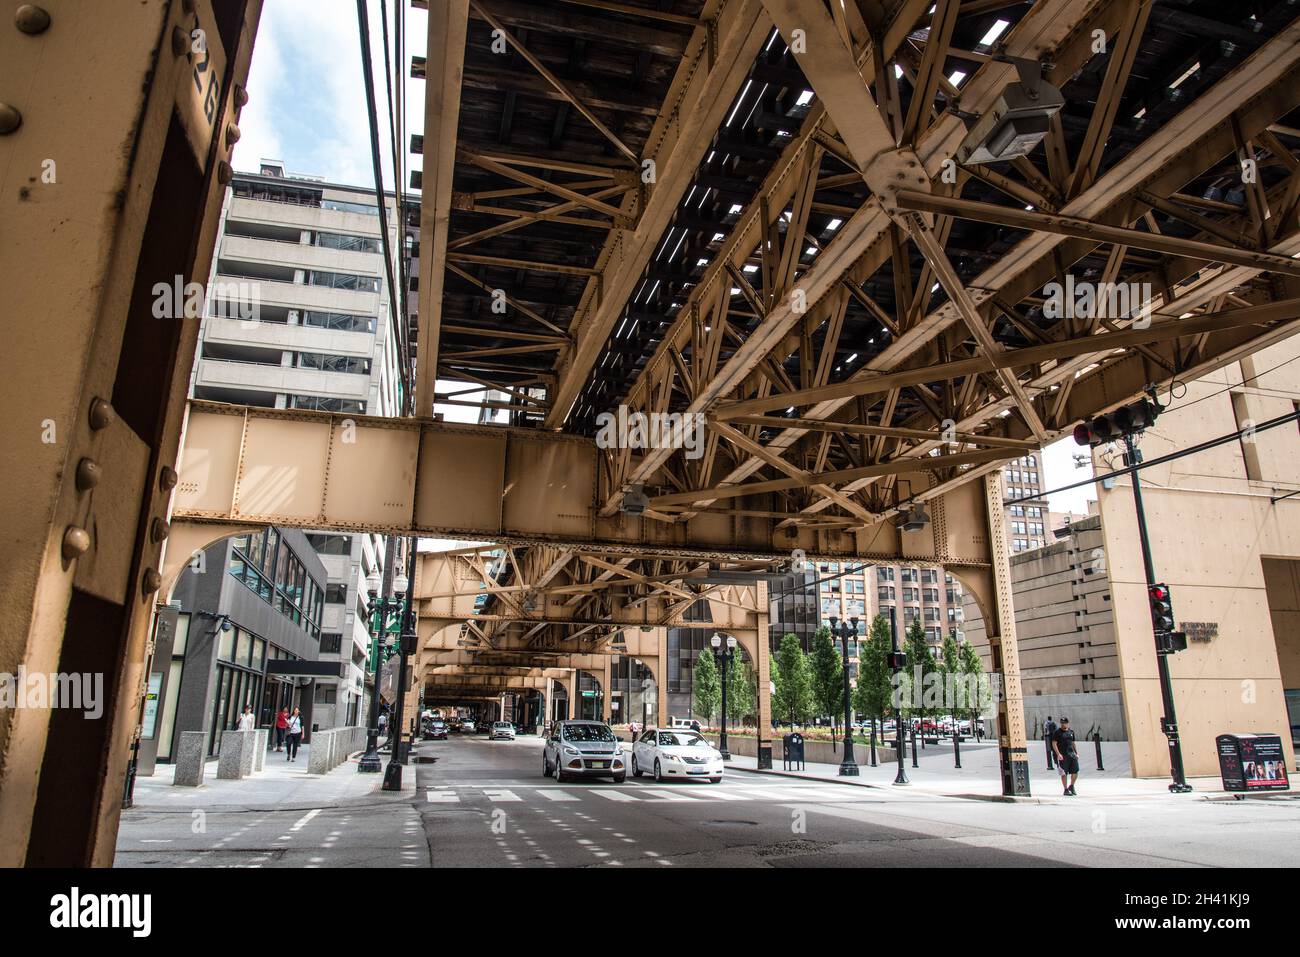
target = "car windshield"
x: 587, y: 732
x: 681, y: 739
x: 501, y: 724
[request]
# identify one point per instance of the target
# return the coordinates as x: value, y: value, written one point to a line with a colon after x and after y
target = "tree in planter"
x: 793, y: 696
x: 871, y: 696
x: 741, y: 691
x: 827, y: 677
x: 977, y: 691
x: 949, y: 668
x: 704, y: 682
x: 920, y: 664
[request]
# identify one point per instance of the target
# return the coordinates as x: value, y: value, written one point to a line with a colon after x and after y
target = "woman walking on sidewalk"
x: 295, y: 734
x: 281, y: 727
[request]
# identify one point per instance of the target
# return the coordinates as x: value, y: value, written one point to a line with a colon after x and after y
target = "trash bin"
x: 1252, y: 762
x: 792, y: 750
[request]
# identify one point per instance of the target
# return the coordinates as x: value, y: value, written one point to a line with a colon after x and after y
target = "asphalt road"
x: 483, y: 803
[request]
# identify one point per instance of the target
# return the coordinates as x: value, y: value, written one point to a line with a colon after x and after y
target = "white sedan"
x: 675, y: 754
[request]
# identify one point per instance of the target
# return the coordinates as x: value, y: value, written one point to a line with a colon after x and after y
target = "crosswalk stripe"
x: 613, y: 795
x: 551, y: 795
x: 442, y: 797
x: 723, y: 795
x: 664, y: 794
x: 502, y: 794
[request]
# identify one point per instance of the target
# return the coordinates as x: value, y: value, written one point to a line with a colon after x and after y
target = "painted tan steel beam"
x: 1080, y: 228
x: 448, y: 26
x: 694, y: 108
x: 1089, y: 346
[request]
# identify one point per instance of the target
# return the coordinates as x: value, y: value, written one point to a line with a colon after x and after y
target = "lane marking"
x: 501, y: 794
x: 552, y: 795
x: 302, y: 821
x: 616, y: 796
x: 443, y: 797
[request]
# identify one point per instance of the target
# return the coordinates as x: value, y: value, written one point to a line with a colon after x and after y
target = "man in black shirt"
x: 1067, y: 757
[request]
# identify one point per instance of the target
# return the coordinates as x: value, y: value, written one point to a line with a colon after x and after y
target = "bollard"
x: 873, y: 742
x: 1047, y: 740
x: 1096, y: 739
x: 914, y: 754
x: 956, y: 744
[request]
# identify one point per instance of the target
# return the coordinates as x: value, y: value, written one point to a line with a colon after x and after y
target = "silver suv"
x: 583, y: 749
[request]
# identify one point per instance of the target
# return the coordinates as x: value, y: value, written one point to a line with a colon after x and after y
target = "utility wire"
x: 1160, y: 460
x: 377, y: 164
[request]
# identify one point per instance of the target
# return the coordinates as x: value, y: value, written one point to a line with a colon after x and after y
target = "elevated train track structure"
x: 754, y: 215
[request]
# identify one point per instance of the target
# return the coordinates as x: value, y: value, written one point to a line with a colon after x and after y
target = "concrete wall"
x: 1085, y: 711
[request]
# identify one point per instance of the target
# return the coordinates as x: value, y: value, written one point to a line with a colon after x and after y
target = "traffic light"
x: 1115, y: 425
x: 1168, y: 641
x: 1162, y: 609
x: 897, y: 660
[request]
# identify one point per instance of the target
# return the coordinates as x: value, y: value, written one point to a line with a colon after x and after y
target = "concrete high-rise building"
x: 1064, y: 630
x: 298, y: 317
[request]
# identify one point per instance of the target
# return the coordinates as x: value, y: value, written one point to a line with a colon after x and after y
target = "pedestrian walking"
x: 295, y: 734
x: 281, y: 727
x: 1049, y: 729
x: 1067, y: 757
x: 383, y: 722
x: 247, y: 720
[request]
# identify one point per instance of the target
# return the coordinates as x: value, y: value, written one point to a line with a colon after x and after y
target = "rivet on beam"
x: 88, y: 474
x: 101, y: 414
x: 224, y: 173
x: 241, y: 96
x: 31, y: 19
x: 10, y: 119
x: 76, y: 541
x: 167, y: 478
x: 151, y: 581
x: 180, y: 41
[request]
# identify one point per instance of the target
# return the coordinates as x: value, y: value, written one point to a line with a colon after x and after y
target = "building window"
x: 884, y: 574
x: 360, y: 244
x: 344, y: 322
x: 342, y: 280
x: 323, y: 404
x: 330, y: 643
x: 357, y: 365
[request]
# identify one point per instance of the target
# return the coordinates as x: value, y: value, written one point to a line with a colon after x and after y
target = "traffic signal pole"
x: 1168, y: 723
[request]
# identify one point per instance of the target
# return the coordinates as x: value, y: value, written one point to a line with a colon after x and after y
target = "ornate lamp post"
x: 846, y: 630
x: 379, y: 611
x: 897, y: 662
x: 723, y: 658
x: 396, y: 756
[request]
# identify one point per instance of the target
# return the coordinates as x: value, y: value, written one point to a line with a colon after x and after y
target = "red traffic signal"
x: 1115, y: 425
x: 1162, y: 609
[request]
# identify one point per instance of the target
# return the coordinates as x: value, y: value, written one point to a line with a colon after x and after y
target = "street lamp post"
x: 393, y: 773
x: 380, y: 607
x: 848, y: 767
x: 724, y: 663
x: 897, y: 662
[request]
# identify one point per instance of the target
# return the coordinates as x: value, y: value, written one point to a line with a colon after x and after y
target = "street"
x: 483, y: 803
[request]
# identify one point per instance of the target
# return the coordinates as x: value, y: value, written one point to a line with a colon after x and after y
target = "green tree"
x: 920, y: 664
x: 708, y: 692
x: 949, y: 667
x: 871, y: 697
x: 827, y: 677
x: 742, y: 691
x: 976, y: 692
x: 793, y: 696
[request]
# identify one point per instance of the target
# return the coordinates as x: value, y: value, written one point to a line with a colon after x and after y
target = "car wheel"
x: 636, y: 771
x: 546, y: 766
x: 559, y: 771
x: 717, y: 780
x: 659, y: 773
x: 620, y: 778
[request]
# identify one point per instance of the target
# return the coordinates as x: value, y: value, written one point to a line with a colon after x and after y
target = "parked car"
x: 502, y: 729
x: 583, y: 749
x: 676, y: 752
x: 438, y: 730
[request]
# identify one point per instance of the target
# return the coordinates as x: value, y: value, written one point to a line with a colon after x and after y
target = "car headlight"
x: 569, y: 750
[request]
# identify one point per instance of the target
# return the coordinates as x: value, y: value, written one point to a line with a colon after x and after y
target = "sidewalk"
x: 979, y: 777
x: 281, y: 785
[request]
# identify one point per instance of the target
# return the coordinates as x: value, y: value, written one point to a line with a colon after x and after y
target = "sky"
x: 306, y: 93
x: 306, y: 107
